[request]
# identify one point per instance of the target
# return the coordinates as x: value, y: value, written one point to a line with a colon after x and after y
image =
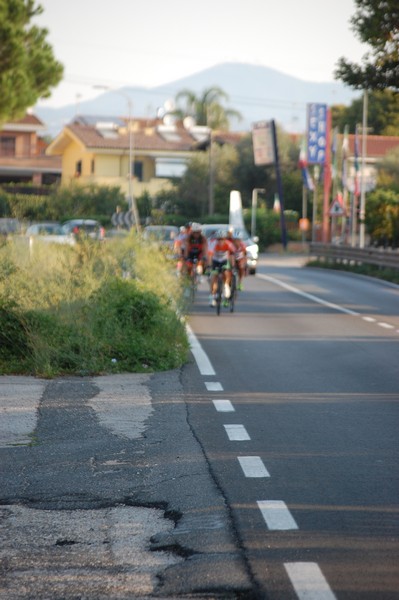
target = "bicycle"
x: 194, y: 279
x: 233, y: 289
x: 220, y: 287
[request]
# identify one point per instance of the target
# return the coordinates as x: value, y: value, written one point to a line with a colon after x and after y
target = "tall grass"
x: 88, y: 309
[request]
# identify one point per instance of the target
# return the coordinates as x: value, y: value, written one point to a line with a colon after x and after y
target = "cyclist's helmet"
x: 195, y: 227
x: 220, y: 234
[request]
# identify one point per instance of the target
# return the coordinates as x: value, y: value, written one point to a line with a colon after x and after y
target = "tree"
x: 383, y: 113
x: 376, y: 23
x: 206, y: 109
x: 28, y: 69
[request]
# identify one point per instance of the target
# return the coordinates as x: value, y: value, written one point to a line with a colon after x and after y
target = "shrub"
x: 87, y: 309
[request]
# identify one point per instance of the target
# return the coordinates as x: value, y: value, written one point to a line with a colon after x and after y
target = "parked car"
x: 47, y: 228
x: 250, y: 243
x: 76, y: 227
x: 164, y: 235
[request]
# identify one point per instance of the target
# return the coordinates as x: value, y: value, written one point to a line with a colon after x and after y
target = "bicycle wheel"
x: 193, y: 287
x: 233, y: 291
x: 219, y: 293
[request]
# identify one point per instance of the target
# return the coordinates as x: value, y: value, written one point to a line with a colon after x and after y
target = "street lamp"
x: 255, y: 192
x: 131, y: 199
x: 362, y: 213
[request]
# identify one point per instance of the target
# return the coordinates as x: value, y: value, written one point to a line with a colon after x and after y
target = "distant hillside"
x: 258, y: 93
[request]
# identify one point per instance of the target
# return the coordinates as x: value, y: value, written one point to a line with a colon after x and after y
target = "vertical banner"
x: 262, y: 140
x: 317, y: 133
x: 319, y: 153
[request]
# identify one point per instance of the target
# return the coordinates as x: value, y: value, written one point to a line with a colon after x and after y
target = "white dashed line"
x: 369, y: 319
x: 253, y: 466
x: 386, y: 325
x: 236, y: 433
x: 308, y: 581
x: 223, y: 405
x: 276, y: 515
x: 213, y: 386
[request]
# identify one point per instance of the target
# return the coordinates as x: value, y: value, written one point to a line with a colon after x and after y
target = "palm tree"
x: 207, y: 108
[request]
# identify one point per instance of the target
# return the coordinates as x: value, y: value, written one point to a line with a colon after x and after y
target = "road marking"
x: 253, y: 466
x: 386, y: 325
x: 202, y: 360
x: 276, y: 515
x: 236, y: 433
x: 369, y: 319
x: 295, y: 290
x: 308, y: 581
x: 223, y: 405
x: 213, y: 386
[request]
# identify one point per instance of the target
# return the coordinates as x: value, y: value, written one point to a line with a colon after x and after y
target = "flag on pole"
x: 334, y: 154
x: 303, y: 165
x: 345, y: 152
x: 356, y: 183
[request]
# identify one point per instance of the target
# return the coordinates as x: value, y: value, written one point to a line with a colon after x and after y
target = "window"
x: 92, y: 167
x: 78, y: 168
x: 7, y: 146
x: 138, y: 170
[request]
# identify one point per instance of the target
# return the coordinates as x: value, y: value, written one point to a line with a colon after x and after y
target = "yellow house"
x: 106, y: 151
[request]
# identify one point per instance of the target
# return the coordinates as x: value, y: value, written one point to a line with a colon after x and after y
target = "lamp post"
x: 131, y: 198
x: 255, y: 192
x: 362, y: 213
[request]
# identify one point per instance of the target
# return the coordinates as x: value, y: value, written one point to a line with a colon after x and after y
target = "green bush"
x: 88, y: 309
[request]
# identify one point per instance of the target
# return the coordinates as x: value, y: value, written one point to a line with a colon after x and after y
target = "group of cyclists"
x: 224, y: 251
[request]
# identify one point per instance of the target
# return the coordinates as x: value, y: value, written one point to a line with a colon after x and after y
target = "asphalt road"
x: 299, y: 423
x: 266, y: 468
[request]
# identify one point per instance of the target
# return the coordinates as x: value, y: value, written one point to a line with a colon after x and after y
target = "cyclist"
x: 179, y: 246
x: 221, y: 254
x: 196, y: 249
x: 240, y: 255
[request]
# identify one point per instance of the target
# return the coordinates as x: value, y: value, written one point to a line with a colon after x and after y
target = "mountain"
x: 258, y: 93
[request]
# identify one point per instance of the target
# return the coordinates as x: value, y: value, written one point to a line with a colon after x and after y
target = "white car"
x: 242, y: 233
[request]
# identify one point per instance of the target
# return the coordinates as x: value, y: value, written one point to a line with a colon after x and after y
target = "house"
x: 22, y: 154
x: 376, y: 149
x: 106, y: 150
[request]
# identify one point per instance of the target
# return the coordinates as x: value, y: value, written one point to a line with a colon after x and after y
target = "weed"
x: 89, y: 309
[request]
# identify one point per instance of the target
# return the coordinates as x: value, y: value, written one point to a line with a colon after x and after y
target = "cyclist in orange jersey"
x: 221, y: 254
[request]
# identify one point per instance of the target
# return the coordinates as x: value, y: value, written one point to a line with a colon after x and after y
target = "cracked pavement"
x: 106, y: 494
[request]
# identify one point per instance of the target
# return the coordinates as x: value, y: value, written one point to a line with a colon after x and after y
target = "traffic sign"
x: 336, y: 209
x: 123, y: 219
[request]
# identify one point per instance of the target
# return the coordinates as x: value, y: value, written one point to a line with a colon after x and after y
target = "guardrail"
x: 384, y: 258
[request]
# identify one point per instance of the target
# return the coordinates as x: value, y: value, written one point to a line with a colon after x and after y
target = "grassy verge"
x: 89, y: 309
x: 391, y: 275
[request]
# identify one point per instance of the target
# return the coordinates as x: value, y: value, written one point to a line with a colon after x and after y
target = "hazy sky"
x: 152, y: 42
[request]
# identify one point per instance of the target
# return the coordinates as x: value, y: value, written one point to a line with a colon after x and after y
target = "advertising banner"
x: 317, y: 133
x: 262, y: 139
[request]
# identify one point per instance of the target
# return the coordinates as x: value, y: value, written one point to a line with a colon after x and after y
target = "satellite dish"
x: 189, y: 122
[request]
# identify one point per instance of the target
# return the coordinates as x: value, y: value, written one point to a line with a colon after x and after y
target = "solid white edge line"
x: 253, y: 466
x: 223, y: 405
x: 308, y: 581
x: 308, y: 296
x: 236, y: 433
x: 202, y: 360
x: 276, y: 515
